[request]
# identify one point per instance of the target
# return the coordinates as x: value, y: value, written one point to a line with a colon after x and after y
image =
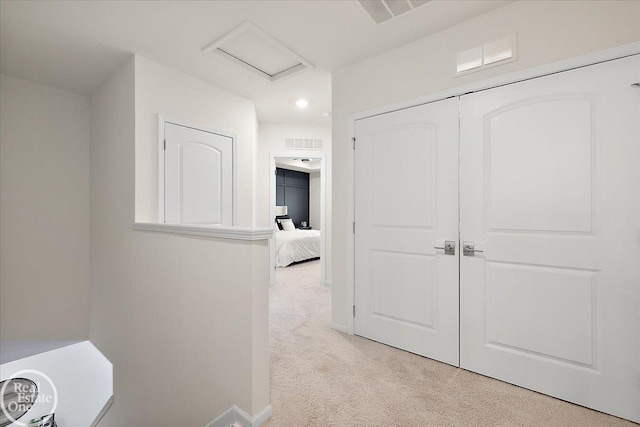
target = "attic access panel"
x: 259, y: 52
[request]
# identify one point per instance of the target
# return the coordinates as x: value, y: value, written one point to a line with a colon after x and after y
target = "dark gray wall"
x: 292, y: 190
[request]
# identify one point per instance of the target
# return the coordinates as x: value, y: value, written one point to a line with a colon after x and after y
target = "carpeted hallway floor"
x: 321, y: 377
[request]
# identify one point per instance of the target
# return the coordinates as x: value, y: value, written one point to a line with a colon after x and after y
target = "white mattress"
x: 296, y: 245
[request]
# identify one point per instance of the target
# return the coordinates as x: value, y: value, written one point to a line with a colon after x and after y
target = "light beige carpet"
x: 321, y: 377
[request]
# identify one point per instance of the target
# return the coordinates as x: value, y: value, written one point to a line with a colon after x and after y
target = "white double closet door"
x: 543, y: 177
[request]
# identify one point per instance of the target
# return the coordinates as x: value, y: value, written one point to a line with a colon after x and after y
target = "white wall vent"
x: 493, y: 53
x: 383, y: 10
x: 469, y: 59
x: 303, y: 144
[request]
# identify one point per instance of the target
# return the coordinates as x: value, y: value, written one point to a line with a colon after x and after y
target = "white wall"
x: 44, y: 212
x: 548, y: 31
x: 271, y: 140
x: 161, y: 90
x: 314, y: 200
x: 184, y: 320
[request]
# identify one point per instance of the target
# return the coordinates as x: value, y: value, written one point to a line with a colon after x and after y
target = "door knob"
x: 469, y: 249
x: 449, y: 247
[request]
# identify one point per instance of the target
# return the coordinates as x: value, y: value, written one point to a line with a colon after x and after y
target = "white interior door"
x: 198, y: 176
x: 406, y: 204
x: 550, y: 191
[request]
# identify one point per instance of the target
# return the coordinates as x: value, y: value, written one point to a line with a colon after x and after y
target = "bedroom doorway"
x: 297, y: 191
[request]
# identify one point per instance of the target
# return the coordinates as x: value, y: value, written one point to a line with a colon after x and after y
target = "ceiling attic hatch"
x: 383, y: 10
x: 257, y: 51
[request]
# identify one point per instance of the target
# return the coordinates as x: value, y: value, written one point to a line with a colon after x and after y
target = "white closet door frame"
x: 162, y: 120
x: 555, y: 67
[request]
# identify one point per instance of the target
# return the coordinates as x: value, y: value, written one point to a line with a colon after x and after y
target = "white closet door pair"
x: 542, y: 177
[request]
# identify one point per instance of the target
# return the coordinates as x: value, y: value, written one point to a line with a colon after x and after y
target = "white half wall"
x: 548, y: 31
x: 183, y: 319
x: 162, y: 90
x: 44, y: 212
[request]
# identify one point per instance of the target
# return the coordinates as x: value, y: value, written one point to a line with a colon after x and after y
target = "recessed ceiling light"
x: 302, y: 103
x: 326, y: 114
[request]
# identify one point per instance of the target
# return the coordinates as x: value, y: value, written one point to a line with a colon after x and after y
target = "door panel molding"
x: 580, y: 286
x: 388, y: 198
x: 430, y: 279
x: 574, y: 178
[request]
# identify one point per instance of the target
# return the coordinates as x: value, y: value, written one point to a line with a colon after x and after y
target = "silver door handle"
x: 449, y: 247
x: 468, y: 249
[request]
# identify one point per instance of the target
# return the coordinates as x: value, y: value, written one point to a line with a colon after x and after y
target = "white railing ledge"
x: 216, y: 231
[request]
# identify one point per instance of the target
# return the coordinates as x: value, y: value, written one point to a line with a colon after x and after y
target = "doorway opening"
x: 297, y: 210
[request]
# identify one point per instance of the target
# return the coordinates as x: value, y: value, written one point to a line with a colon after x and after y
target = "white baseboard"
x: 235, y: 415
x: 262, y: 417
x: 226, y: 419
x: 103, y: 412
x: 339, y: 328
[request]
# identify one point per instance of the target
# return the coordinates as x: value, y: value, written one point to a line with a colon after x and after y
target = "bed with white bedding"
x: 296, y: 245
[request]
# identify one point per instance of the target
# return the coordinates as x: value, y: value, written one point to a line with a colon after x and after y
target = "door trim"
x: 593, y: 58
x: 162, y: 120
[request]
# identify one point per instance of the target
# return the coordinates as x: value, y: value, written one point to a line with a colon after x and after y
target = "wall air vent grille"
x: 489, y: 54
x: 303, y: 144
x: 383, y: 10
x: 497, y: 51
x: 469, y: 59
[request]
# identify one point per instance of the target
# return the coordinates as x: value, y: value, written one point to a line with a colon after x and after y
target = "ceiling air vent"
x: 256, y: 51
x: 303, y: 144
x: 383, y: 10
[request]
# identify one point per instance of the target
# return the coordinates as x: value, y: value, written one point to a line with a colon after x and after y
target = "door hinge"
x: 354, y: 228
x: 354, y: 142
x: 354, y: 311
x: 164, y: 145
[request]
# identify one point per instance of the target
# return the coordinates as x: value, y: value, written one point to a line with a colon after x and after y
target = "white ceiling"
x: 77, y: 45
x: 313, y: 165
